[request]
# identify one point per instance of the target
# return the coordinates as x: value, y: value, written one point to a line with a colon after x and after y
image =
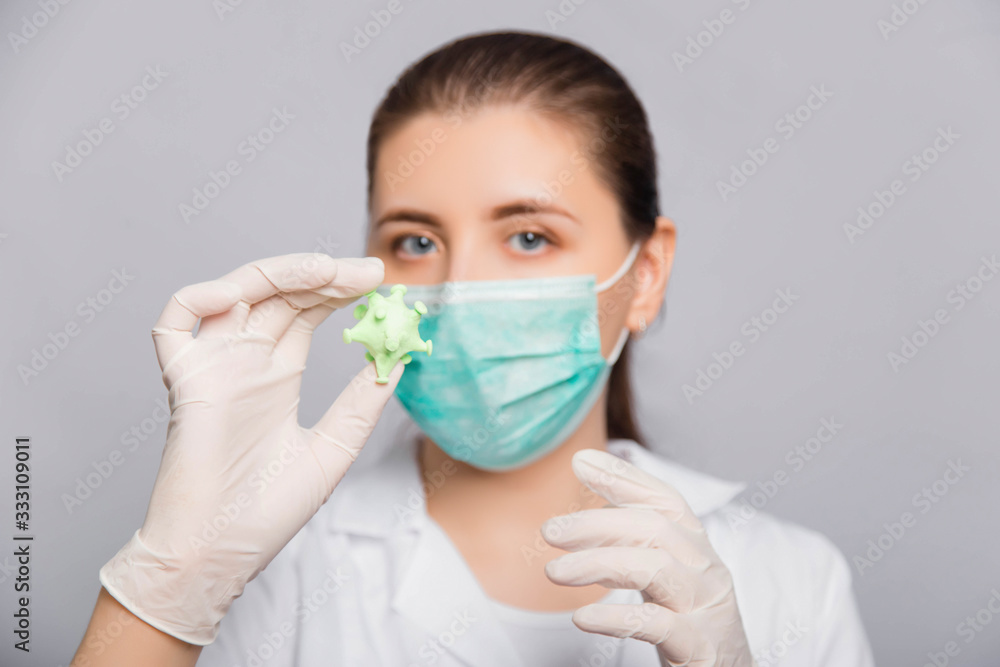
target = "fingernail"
x: 588, y: 615
x: 591, y: 457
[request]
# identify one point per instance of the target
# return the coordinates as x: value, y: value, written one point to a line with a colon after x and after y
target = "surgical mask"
x: 516, y: 365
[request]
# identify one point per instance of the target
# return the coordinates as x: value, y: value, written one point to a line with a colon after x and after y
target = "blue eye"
x: 529, y: 241
x: 415, y: 245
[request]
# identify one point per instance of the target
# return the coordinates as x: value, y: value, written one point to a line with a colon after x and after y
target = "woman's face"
x: 499, y: 194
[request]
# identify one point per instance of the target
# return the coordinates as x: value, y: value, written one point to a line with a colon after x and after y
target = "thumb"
x: 347, y: 425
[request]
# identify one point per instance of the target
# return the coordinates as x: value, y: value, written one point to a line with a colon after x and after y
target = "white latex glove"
x: 647, y: 538
x: 239, y: 477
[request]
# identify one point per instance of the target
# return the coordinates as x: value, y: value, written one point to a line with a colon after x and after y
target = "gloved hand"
x: 647, y: 538
x: 239, y: 476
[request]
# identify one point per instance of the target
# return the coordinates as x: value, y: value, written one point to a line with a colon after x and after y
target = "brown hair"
x: 560, y: 79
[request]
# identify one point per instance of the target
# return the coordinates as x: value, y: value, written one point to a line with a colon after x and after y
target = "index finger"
x: 255, y: 281
x: 344, y: 276
x: 625, y: 485
x: 302, y: 280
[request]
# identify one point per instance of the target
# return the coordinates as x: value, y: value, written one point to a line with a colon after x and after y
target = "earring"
x: 642, y: 326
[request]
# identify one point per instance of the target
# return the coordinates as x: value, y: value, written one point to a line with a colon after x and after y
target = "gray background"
x: 825, y: 357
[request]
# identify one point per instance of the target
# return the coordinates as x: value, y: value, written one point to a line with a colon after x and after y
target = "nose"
x: 458, y: 269
x: 462, y: 261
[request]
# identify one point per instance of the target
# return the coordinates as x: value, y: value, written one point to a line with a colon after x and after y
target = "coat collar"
x: 436, y: 590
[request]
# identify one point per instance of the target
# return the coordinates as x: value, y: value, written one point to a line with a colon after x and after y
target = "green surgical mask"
x: 516, y: 367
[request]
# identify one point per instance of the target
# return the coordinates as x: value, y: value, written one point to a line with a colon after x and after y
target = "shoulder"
x: 801, y: 562
x: 751, y: 542
x: 774, y: 562
x: 782, y: 542
x: 794, y: 589
x: 792, y: 584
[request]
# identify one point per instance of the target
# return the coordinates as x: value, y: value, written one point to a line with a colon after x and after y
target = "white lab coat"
x: 372, y: 581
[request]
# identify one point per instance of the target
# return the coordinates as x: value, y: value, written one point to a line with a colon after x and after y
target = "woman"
x: 512, y: 187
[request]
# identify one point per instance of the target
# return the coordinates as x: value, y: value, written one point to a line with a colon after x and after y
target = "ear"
x: 651, y: 273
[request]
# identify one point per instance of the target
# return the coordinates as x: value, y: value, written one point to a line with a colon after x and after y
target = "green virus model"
x: 388, y: 329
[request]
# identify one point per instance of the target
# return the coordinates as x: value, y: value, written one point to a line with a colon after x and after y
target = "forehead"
x: 489, y: 154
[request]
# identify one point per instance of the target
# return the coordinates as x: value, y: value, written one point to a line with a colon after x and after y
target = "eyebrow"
x: 528, y: 206
x: 510, y: 209
x: 408, y: 215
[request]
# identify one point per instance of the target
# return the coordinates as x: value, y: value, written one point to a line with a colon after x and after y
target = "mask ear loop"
x: 622, y: 270
x: 616, y: 352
